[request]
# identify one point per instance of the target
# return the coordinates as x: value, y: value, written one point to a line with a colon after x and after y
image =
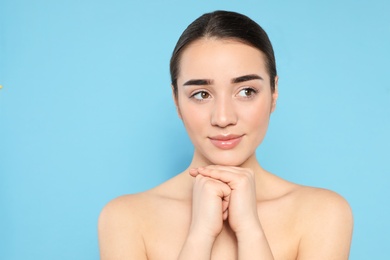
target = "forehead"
x: 210, y: 57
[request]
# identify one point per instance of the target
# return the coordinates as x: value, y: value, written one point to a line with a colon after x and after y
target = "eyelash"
x: 193, y: 96
x: 253, y: 91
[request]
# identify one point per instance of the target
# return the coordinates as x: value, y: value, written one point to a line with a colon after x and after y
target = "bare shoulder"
x: 120, y: 222
x: 123, y: 208
x: 307, y: 200
x: 321, y: 200
x: 310, y: 205
x: 132, y: 204
x: 326, y: 223
x: 127, y: 223
x: 130, y: 210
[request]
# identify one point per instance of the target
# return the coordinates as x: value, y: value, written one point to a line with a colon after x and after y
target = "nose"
x: 223, y: 113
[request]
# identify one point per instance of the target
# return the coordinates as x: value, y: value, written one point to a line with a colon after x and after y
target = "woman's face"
x: 224, y: 99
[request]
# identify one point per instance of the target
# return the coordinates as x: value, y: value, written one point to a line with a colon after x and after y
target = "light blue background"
x: 86, y: 112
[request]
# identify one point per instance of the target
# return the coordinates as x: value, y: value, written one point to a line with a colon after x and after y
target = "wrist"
x: 253, y: 242
x: 196, y: 247
x: 250, y: 233
x: 200, y: 238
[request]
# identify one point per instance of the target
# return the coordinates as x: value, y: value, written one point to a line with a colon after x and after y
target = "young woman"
x: 225, y: 205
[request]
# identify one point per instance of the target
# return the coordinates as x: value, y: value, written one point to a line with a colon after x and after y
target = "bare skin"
x: 225, y: 205
x: 155, y: 224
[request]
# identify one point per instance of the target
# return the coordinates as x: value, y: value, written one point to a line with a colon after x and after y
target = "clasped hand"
x: 223, y: 193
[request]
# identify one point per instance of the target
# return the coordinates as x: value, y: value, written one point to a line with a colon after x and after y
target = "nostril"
x: 223, y: 116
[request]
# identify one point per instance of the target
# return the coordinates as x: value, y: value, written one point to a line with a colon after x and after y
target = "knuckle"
x: 208, y: 184
x: 198, y: 178
x: 249, y: 171
x: 242, y: 178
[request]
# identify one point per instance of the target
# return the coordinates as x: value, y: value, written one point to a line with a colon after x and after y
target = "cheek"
x: 257, y: 117
x: 193, y: 118
x: 257, y: 111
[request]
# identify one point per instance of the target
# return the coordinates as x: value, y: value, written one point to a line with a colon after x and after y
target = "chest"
x: 168, y: 233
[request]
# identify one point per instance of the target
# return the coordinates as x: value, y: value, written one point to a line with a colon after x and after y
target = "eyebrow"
x: 246, y: 78
x: 203, y: 82
x: 198, y: 82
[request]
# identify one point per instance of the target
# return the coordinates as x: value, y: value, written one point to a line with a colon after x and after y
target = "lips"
x: 226, y: 142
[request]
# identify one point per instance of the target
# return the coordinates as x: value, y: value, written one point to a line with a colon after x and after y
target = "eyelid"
x: 253, y: 89
x: 193, y: 93
x: 197, y: 92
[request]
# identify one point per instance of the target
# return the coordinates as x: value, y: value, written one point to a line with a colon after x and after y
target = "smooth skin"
x: 225, y: 205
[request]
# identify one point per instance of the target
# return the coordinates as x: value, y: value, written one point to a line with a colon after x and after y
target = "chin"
x: 228, y: 161
x: 234, y: 158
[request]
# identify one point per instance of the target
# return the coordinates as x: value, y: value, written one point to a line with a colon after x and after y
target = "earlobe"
x: 275, y: 95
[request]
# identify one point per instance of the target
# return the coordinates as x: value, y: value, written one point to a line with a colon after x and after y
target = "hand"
x: 242, y: 204
x: 209, y: 206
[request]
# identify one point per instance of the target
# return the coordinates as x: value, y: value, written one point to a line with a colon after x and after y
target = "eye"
x: 201, y: 95
x: 247, y: 92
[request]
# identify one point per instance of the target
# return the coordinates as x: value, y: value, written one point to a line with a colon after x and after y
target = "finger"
x: 213, y: 186
x: 193, y: 172
x: 228, y: 175
x: 225, y: 215
x: 216, y: 187
x: 234, y: 169
x: 225, y: 204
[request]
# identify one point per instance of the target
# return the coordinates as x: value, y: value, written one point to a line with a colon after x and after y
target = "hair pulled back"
x: 224, y: 25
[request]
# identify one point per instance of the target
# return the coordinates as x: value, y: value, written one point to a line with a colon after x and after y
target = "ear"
x: 275, y: 95
x: 175, y: 99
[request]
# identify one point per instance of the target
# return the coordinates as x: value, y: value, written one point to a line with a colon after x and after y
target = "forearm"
x: 196, y: 249
x: 253, y: 245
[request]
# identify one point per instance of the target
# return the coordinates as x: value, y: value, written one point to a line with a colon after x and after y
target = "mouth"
x: 226, y: 142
